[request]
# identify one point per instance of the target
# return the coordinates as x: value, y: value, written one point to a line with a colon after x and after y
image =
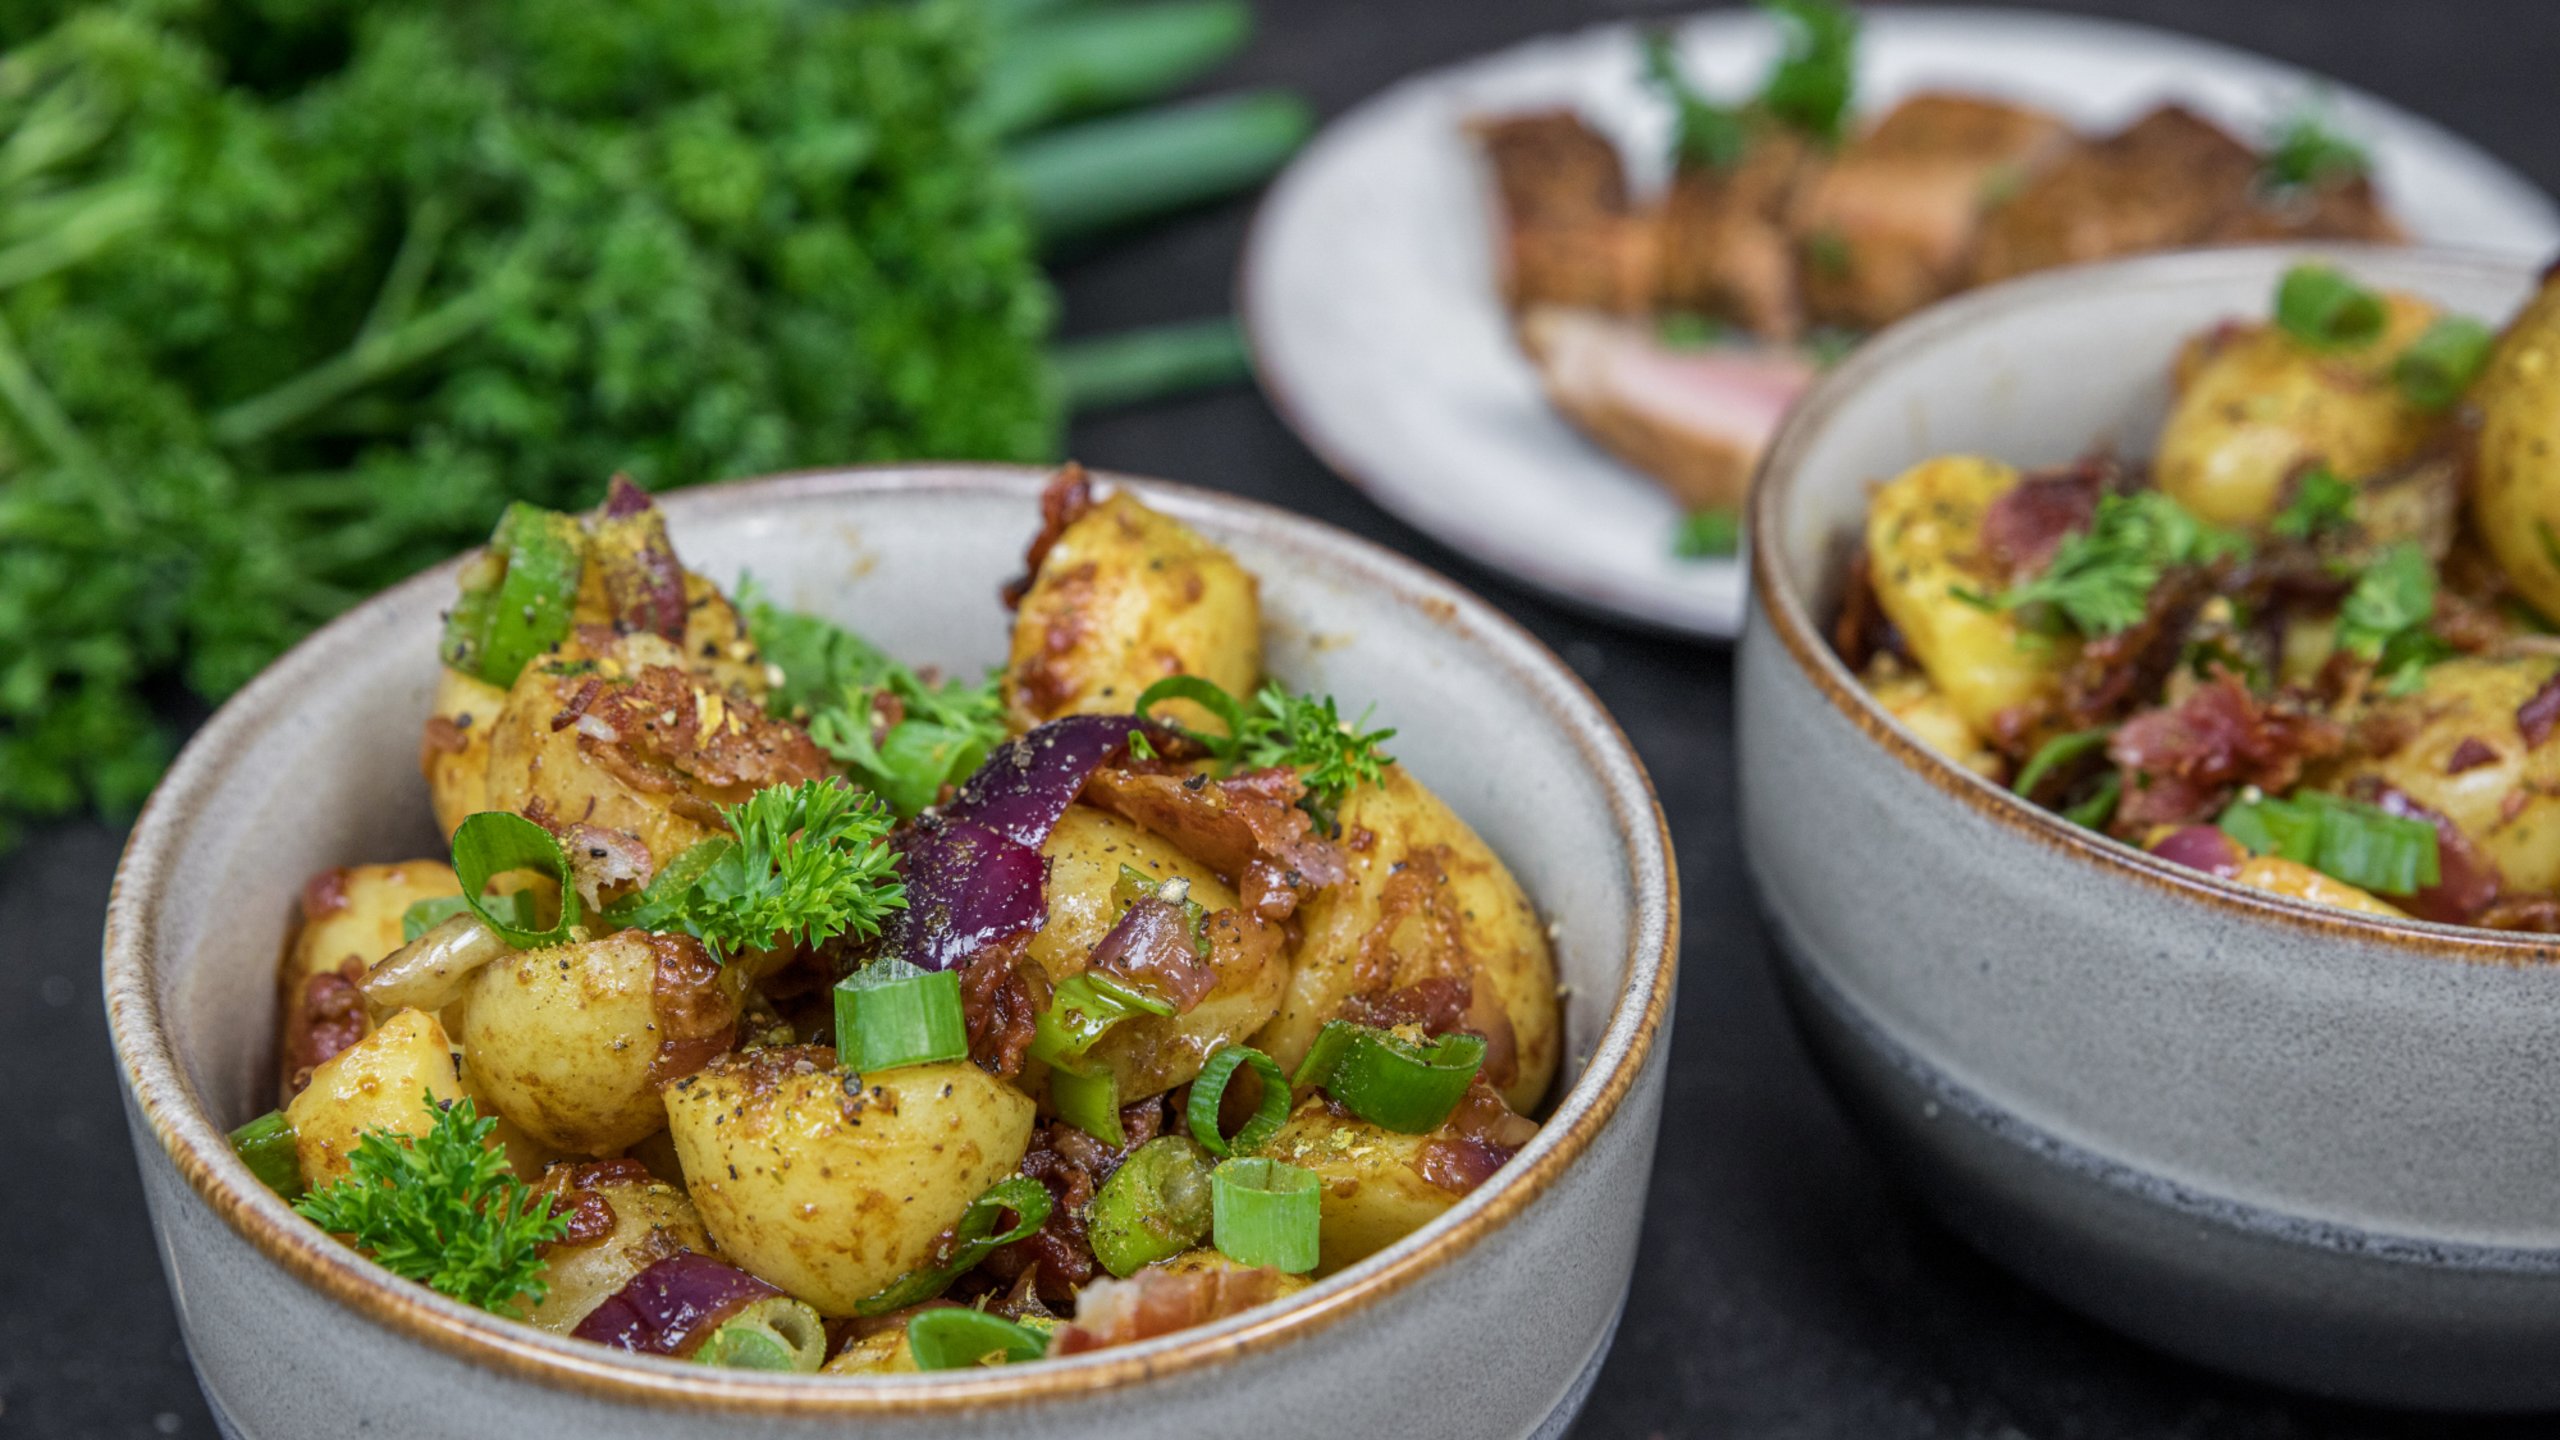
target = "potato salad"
x: 2309, y: 647
x: 782, y: 1004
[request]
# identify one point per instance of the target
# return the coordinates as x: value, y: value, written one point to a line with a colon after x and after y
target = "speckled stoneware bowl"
x: 2280, y: 1139
x: 1489, y: 1322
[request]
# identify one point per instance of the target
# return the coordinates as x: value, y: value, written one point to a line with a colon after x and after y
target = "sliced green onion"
x: 891, y: 1014
x: 1266, y: 1212
x: 1156, y: 1205
x: 1082, y: 1009
x: 1209, y: 696
x: 958, y: 1339
x: 265, y: 1145
x: 517, y: 596
x: 1273, y: 1111
x: 2348, y: 840
x: 494, y: 843
x: 2094, y: 812
x: 1089, y: 1100
x: 2442, y: 362
x: 973, y: 1239
x: 775, y: 1333
x: 2058, y: 752
x: 1707, y: 535
x: 517, y: 907
x: 2319, y: 306
x: 1388, y: 1081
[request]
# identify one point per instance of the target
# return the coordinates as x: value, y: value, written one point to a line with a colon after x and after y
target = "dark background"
x: 1785, y: 1291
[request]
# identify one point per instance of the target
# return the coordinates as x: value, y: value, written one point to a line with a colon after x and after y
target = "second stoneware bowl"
x: 1491, y: 1321
x: 2283, y: 1140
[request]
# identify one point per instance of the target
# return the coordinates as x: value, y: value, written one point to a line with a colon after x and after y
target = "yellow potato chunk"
x: 651, y: 1221
x: 1924, y: 544
x: 455, y: 754
x: 380, y: 1083
x: 2515, y: 496
x: 2299, y: 881
x: 351, y: 917
x: 572, y: 1042
x: 1085, y: 853
x: 1426, y: 898
x: 2508, y: 804
x: 833, y: 1192
x: 1372, y: 1194
x: 2256, y: 405
x: 1915, y: 702
x: 1125, y: 598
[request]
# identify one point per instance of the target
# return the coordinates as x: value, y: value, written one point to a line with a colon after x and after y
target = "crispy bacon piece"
x: 2538, y: 914
x: 2471, y: 754
x: 1158, y: 1302
x: 1443, y: 1005
x: 571, y: 1187
x: 2022, y: 528
x: 603, y: 860
x: 695, y: 1019
x: 1248, y: 828
x: 1067, y: 497
x: 2114, y: 673
x: 1072, y: 1165
x: 2182, y: 762
x: 2536, y: 717
x: 1478, y: 1138
x: 657, y: 732
x: 998, y: 1005
x: 1861, y: 632
x: 329, y: 1018
x: 324, y: 894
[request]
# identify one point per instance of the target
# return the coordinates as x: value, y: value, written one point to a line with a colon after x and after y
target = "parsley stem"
x: 368, y: 360
x: 105, y: 213
x: 1150, y: 364
x: 39, y: 416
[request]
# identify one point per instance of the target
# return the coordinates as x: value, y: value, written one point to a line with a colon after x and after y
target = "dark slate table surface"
x: 1786, y: 1290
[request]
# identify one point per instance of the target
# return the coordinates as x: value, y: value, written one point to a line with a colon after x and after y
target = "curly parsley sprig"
x: 2386, y: 618
x: 803, y: 862
x: 442, y: 1209
x: 2100, y: 580
x: 1303, y: 732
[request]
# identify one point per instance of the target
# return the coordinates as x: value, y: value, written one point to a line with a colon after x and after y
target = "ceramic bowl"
x: 1490, y: 1321
x: 2280, y: 1139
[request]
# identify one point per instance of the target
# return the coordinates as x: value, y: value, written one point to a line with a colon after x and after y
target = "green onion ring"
x: 2322, y: 308
x: 775, y: 1333
x: 891, y: 1014
x: 1209, y: 696
x: 961, y: 1339
x: 1267, y: 1212
x: 494, y: 843
x: 1389, y: 1082
x: 1155, y: 1206
x: 1211, y: 1086
x: 266, y: 1146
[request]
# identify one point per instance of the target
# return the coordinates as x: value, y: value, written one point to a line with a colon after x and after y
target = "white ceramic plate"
x: 1368, y: 283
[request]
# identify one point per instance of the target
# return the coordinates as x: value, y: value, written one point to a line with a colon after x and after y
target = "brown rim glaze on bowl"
x: 175, y: 1116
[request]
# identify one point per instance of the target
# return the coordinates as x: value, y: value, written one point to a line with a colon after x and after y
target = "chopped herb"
x: 1810, y: 86
x: 2058, y: 754
x: 1707, y: 535
x: 2320, y: 307
x: 2100, y: 579
x: 1828, y: 252
x: 837, y: 682
x: 443, y: 1209
x: 803, y: 862
x: 1704, y: 135
x: 2306, y: 153
x: 2442, y: 362
x: 1303, y: 732
x: 1689, y: 330
x: 2321, y: 502
x: 2384, y: 618
x: 1828, y: 345
x: 2100, y: 807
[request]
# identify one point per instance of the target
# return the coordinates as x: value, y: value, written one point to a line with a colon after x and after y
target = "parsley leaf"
x: 2321, y: 501
x: 804, y: 862
x: 2307, y: 153
x: 442, y: 1209
x: 1307, y: 734
x: 1810, y: 86
x: 2100, y: 579
x: 1707, y: 534
x: 2384, y: 618
x: 841, y: 685
x: 1704, y: 135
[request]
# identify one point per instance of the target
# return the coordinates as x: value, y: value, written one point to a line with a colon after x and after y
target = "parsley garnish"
x: 2384, y: 618
x: 1807, y: 90
x: 1304, y: 732
x: 2307, y: 153
x: 804, y: 862
x: 2100, y: 580
x: 2321, y: 501
x: 442, y: 1209
x: 1704, y: 134
x: 1707, y: 535
x: 834, y: 680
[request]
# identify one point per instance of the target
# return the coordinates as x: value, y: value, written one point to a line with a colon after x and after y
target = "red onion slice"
x: 1031, y: 779
x: 1151, y: 947
x: 673, y: 1305
x: 967, y: 887
x: 2202, y: 847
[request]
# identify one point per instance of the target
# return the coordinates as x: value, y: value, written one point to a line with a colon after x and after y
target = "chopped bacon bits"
x: 329, y: 1017
x: 2029, y: 521
x: 1073, y: 1166
x: 2537, y: 716
x: 1477, y: 1139
x: 1159, y: 1302
x: 324, y: 895
x: 2182, y: 762
x: 2471, y: 754
x: 696, y: 1019
x: 999, y: 1008
x: 1067, y: 497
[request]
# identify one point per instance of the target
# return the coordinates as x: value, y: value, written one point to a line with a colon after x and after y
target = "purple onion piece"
x: 673, y: 1305
x: 1151, y: 947
x: 642, y: 577
x: 967, y: 887
x: 2202, y: 847
x: 1031, y: 779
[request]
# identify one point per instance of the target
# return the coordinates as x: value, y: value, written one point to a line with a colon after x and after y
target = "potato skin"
x: 1085, y: 853
x: 567, y: 1041
x: 351, y: 917
x: 1126, y: 597
x: 2515, y: 495
x: 829, y: 1194
x: 651, y: 1221
x: 2475, y: 698
x: 1915, y: 702
x: 2254, y: 406
x: 1372, y: 1194
x: 1924, y: 544
x: 1479, y: 924
x: 380, y: 1083
x: 882, y: 1352
x: 455, y: 753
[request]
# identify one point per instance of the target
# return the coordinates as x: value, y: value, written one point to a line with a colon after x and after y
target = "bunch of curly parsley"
x: 295, y: 296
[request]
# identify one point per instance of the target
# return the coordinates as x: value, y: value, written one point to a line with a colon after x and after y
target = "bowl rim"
x: 198, y: 1149
x: 1777, y: 605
